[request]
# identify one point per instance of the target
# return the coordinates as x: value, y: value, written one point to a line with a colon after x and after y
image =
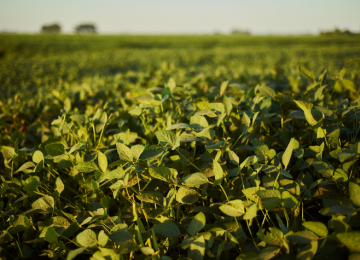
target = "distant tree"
x: 85, y: 29
x: 336, y: 32
x: 52, y: 28
x: 239, y: 32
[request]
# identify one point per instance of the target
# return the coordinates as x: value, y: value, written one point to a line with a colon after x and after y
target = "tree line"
x: 85, y: 28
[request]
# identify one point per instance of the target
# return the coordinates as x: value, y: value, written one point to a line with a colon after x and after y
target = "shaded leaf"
x: 197, y: 224
x: 351, y: 240
x: 167, y: 229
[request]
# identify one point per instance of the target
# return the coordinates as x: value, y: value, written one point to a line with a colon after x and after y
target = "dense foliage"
x: 191, y: 167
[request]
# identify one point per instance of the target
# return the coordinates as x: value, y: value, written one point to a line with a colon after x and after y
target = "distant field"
x: 32, y: 64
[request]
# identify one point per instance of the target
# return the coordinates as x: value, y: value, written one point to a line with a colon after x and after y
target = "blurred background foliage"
x: 31, y: 66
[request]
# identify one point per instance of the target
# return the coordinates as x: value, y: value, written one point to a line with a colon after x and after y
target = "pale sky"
x: 185, y: 16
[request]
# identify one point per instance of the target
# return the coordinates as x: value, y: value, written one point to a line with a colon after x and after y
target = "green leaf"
x: 266, y: 91
x: 8, y: 152
x: 57, y: 221
x: 102, y: 161
x: 322, y: 77
x: 248, y: 256
x: 349, y: 85
x: 4, y: 188
x: 281, y: 224
x: 288, y: 200
x: 178, y: 126
x: 136, y: 111
x: 293, y: 144
x: 124, y: 152
x: 317, y: 227
x: 308, y: 116
x: 220, y: 249
x: 261, y: 148
x: 342, y: 73
x: 167, y: 138
x: 223, y: 87
x: 167, y: 229
x: 63, y: 164
x: 102, y: 238
x: 269, y: 239
x: 317, y: 148
x: 59, y: 185
x: 118, y: 173
x: 152, y: 152
x: 95, y: 185
x: 171, y: 84
x: 20, y: 224
x: 268, y: 252
x: 87, y: 238
x: 245, y: 120
x: 270, y: 198
x: 250, y: 193
x: 103, y: 118
x: 137, y: 150
x: 319, y: 93
x: 170, y: 197
x: 162, y: 173
x: 234, y: 208
x: 195, y: 179
x: 37, y: 156
x: 25, y: 166
x: 218, y: 173
x: 151, y: 196
x: 123, y: 238
x: 341, y: 209
x: 302, y: 237
x: 323, y: 168
x: 86, y: 167
x: 355, y: 147
x: 73, y: 253
x: 55, y: 149
x: 285, y: 173
x: 354, y: 191
x: 346, y: 155
x: 217, y: 107
x: 76, y: 147
x: 187, y: 195
x: 307, y: 74
x: 67, y: 105
x: 228, y: 105
x: 198, y: 122
x: 78, y: 118
x: 308, y: 251
x: 351, y: 240
x: 5, y: 236
x: 51, y: 236
x: 233, y: 157
x: 197, y: 249
x: 147, y: 250
x: 251, y: 211
x: 214, y: 146
x: 197, y: 224
x: 340, y: 176
x: 271, y: 203
x: 45, y: 203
